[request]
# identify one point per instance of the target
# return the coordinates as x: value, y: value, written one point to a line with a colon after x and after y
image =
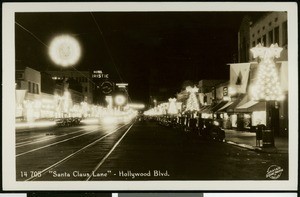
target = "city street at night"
x: 136, y: 150
x: 104, y: 95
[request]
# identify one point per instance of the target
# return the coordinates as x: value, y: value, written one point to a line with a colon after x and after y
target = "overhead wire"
x: 32, y: 34
x: 106, y: 45
x: 119, y: 75
x: 109, y: 52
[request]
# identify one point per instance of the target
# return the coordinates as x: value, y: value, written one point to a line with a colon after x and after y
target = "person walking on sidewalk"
x: 259, y: 130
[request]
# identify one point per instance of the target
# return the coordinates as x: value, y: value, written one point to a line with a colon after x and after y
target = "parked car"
x: 71, y: 121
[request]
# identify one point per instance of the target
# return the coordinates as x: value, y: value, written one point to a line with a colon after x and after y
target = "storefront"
x: 234, y: 117
x: 226, y: 124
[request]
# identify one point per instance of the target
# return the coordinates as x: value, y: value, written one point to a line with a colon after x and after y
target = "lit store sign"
x: 99, y: 74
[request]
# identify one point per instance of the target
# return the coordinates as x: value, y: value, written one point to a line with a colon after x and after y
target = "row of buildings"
x: 230, y: 101
x: 60, y: 93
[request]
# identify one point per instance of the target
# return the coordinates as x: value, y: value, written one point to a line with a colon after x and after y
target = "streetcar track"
x: 21, y: 144
x: 55, y: 143
x: 28, y: 138
x: 41, y: 137
x: 108, y: 154
x: 77, y: 152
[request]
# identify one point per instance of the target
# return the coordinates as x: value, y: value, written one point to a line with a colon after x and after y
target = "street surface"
x: 136, y: 150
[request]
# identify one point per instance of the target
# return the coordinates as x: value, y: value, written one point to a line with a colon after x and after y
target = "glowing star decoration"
x: 192, y: 102
x: 267, y: 86
x: 258, y: 51
x: 275, y: 50
x: 172, y: 108
x: 64, y: 50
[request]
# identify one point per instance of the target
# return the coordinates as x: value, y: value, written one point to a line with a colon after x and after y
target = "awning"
x: 218, y: 106
x: 239, y: 100
x: 206, y: 109
x: 212, y: 108
x: 223, y: 109
x: 252, y: 106
x: 247, y: 105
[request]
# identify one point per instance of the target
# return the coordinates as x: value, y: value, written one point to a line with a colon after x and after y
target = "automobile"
x: 71, y: 121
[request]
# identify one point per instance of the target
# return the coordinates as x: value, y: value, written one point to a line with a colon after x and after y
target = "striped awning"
x: 251, y: 106
x: 217, y: 106
x: 247, y: 105
x: 223, y: 109
x: 205, y: 109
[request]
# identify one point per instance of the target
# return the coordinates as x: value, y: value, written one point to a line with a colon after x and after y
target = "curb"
x: 253, y: 148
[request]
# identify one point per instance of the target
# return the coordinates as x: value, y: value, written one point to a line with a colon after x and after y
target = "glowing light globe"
x: 120, y: 100
x: 64, y: 50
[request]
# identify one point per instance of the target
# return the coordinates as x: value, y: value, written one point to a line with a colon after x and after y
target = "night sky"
x: 154, y: 52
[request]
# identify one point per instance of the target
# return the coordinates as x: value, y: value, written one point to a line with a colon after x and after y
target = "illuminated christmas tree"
x: 192, y: 102
x: 172, y: 108
x: 267, y: 85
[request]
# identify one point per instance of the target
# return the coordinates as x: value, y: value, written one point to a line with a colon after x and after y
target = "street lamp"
x: 155, y: 102
x: 267, y: 87
x: 120, y: 100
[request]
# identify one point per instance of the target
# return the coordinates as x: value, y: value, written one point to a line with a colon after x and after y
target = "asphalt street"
x: 137, y: 150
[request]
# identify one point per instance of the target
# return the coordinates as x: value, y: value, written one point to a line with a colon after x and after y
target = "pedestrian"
x: 259, y: 129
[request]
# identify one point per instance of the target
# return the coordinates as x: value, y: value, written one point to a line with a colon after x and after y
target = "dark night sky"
x: 152, y: 50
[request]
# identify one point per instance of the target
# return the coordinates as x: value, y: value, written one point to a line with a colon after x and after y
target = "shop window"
x: 233, y: 120
x: 258, y: 117
x: 247, y: 121
x: 284, y: 33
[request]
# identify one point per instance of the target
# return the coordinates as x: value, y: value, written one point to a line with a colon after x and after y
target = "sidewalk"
x: 247, y: 139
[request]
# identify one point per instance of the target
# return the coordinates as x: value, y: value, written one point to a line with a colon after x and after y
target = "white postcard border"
x: 8, y: 85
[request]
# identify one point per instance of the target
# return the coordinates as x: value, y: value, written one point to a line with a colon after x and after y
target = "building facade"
x: 271, y: 28
x: 83, y: 77
x: 38, y: 96
x: 31, y: 103
x: 244, y: 40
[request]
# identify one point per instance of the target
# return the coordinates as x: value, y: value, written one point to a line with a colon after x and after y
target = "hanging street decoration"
x: 192, y: 102
x: 239, y: 75
x: 172, y: 108
x: 64, y: 50
x: 267, y: 86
